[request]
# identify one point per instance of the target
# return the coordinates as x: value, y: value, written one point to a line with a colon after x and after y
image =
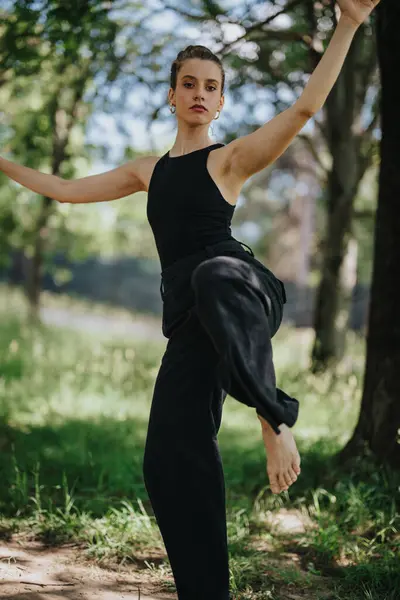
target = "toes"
x: 274, y: 483
x: 292, y: 475
x: 282, y: 482
x: 287, y: 479
x: 296, y: 465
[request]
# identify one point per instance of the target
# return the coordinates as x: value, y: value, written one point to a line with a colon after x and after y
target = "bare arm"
x: 114, y: 184
x: 117, y: 183
x: 41, y: 183
x: 253, y: 152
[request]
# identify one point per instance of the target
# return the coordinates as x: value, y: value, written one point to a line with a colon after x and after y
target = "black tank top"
x: 185, y: 208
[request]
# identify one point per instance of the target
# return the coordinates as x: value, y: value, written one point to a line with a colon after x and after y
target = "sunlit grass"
x: 74, y: 412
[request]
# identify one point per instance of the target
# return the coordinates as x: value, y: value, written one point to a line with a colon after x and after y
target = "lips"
x: 198, y: 107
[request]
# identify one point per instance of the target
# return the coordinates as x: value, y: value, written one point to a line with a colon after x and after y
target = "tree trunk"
x: 330, y: 321
x: 62, y: 124
x: 34, y: 263
x: 348, y: 167
x: 379, y: 420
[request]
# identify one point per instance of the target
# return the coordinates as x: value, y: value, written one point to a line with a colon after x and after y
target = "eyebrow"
x: 193, y: 77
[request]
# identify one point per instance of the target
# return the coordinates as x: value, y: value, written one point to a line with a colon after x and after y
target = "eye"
x: 210, y: 86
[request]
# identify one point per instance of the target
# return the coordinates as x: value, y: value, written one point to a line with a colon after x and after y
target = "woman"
x: 221, y: 306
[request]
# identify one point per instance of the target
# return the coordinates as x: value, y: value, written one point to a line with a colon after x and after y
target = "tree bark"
x: 379, y: 421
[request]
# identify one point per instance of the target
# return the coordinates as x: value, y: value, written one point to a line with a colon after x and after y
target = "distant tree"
x: 50, y: 56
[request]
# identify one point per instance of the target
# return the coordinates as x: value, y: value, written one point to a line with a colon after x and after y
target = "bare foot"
x: 283, y: 458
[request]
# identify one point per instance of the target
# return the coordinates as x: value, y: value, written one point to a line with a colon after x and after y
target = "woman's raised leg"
x: 239, y: 307
x: 240, y: 311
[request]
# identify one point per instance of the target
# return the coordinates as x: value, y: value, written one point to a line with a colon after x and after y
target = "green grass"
x: 74, y: 410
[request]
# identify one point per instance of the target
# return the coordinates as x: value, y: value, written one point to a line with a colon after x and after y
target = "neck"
x: 186, y: 145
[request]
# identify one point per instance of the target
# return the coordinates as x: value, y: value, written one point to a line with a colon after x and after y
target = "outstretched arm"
x: 41, y: 183
x: 111, y: 185
x: 257, y: 150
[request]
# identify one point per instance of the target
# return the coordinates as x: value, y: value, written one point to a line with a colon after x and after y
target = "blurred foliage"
x: 62, y: 69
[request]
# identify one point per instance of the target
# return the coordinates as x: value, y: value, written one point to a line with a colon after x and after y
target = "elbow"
x: 64, y: 195
x: 306, y: 112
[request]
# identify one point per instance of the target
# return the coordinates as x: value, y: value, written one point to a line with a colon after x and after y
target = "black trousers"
x: 221, y: 307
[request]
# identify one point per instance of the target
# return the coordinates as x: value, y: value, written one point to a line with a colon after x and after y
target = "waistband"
x: 206, y: 252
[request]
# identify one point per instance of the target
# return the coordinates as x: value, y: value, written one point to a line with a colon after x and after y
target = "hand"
x: 357, y: 10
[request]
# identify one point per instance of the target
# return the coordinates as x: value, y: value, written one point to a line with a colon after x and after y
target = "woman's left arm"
x: 257, y: 150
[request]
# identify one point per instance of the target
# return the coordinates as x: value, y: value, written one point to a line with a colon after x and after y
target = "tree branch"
x: 257, y: 26
x: 311, y: 147
x: 289, y: 35
x: 364, y: 214
x: 183, y: 13
x: 313, y: 22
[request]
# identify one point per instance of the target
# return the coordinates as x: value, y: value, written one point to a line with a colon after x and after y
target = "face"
x: 199, y: 82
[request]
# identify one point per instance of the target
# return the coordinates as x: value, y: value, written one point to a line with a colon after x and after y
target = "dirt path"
x: 31, y: 571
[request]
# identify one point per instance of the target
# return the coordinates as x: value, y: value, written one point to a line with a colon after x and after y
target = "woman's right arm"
x: 114, y: 184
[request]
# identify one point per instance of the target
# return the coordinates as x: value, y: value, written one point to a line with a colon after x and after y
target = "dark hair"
x: 194, y: 52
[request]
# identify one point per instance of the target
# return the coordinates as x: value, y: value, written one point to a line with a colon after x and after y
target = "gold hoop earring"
x: 215, y: 118
x: 171, y: 106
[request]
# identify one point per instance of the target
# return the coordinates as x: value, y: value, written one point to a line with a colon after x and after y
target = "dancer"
x: 221, y: 306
